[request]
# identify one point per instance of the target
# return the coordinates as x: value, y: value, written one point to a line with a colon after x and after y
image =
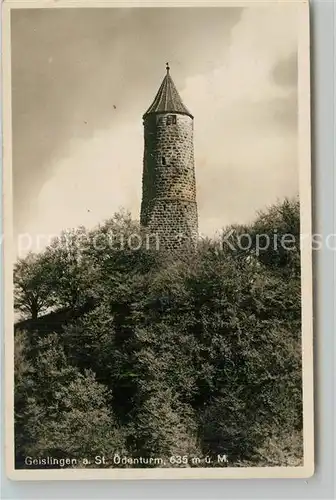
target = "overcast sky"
x: 82, y: 78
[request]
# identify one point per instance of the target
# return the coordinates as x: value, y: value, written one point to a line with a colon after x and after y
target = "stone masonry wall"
x: 169, y: 206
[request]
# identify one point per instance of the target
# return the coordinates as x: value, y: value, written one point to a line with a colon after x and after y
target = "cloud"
x: 100, y: 177
x: 78, y: 71
x: 245, y: 121
x: 81, y: 139
x: 285, y: 71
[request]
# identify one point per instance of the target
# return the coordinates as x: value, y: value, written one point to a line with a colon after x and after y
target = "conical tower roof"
x: 167, y: 99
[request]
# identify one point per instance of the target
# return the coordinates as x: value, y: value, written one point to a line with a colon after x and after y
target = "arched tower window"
x: 171, y: 120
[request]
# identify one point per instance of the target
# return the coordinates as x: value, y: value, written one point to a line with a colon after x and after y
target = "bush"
x: 197, y: 354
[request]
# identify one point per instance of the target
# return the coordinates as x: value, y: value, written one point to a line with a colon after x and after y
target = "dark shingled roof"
x: 167, y: 99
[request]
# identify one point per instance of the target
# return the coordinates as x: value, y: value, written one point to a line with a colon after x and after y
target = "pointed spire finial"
x: 167, y: 98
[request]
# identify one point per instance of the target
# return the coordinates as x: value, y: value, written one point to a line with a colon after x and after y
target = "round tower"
x: 169, y: 208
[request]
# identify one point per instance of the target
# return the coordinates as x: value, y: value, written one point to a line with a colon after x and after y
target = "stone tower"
x: 168, y: 208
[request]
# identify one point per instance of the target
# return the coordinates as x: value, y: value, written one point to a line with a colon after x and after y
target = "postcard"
x: 157, y: 240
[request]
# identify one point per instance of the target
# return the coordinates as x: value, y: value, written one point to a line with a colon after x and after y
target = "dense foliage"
x: 143, y: 354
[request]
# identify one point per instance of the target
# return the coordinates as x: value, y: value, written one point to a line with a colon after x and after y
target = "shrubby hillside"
x: 142, y: 354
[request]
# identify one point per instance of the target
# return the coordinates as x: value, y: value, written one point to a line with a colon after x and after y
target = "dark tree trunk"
x: 34, y: 311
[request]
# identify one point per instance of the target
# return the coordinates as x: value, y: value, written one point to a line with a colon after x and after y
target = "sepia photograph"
x: 157, y: 240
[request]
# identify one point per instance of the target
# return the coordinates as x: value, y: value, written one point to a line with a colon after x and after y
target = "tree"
x: 33, y: 285
x: 164, y: 427
x: 73, y: 276
x: 66, y: 413
x: 86, y: 264
x: 199, y: 353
